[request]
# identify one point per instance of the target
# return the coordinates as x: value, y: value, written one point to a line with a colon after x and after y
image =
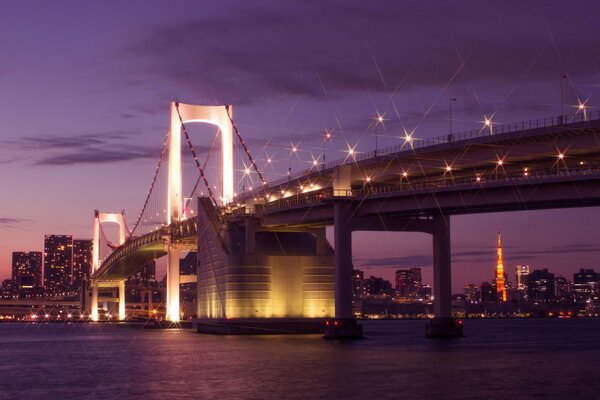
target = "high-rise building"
x: 20, y: 264
x: 561, y: 288
x: 487, y: 293
x: 585, y: 284
x: 500, y: 278
x: 376, y: 285
x: 408, y: 282
x: 358, y: 283
x: 541, y: 285
x: 471, y: 292
x: 522, y: 271
x: 82, y: 260
x: 27, y: 269
x: 58, y: 261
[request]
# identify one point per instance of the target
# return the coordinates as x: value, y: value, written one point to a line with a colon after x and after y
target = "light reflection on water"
x: 499, y: 359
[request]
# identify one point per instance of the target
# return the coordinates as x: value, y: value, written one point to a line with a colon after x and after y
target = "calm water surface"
x: 500, y: 359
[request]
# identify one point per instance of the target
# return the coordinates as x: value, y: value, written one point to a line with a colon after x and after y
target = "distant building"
x: 27, y: 269
x: 20, y: 264
x: 358, y: 283
x: 562, y: 288
x: 378, y: 286
x: 424, y: 293
x: 487, y: 293
x: 409, y: 282
x: 585, y: 284
x: 471, y: 292
x: 82, y: 260
x: 541, y: 285
x: 58, y: 261
x: 522, y: 271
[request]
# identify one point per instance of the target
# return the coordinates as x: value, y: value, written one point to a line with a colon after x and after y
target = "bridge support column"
x: 443, y: 325
x: 121, y: 300
x: 344, y: 325
x: 173, y: 285
x: 94, y: 306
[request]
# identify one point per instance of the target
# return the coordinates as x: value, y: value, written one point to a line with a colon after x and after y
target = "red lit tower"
x: 500, y: 287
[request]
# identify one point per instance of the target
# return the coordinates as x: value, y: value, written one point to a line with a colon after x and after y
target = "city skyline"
x: 80, y: 133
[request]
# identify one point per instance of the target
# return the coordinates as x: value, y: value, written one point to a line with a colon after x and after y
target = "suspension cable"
x: 243, y: 143
x: 212, y: 147
x: 160, y: 160
x: 202, y: 175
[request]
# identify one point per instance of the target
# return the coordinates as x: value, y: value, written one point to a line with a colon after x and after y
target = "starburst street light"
x: 487, y: 123
x: 351, y: 152
x: 408, y: 138
x: 581, y: 107
x: 379, y: 120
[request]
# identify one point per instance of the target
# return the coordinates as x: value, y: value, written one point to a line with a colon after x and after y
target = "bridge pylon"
x: 100, y: 218
x: 181, y: 114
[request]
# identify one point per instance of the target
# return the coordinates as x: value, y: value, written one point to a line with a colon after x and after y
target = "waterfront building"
x: 27, y: 269
x: 541, y: 285
x: 358, y: 283
x: 409, y: 282
x: 585, y: 284
x: 58, y: 261
x: 378, y: 286
x: 82, y: 260
x: 562, y: 288
x: 471, y: 292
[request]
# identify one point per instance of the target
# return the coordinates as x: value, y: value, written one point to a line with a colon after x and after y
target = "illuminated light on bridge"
x: 408, y: 138
x: 487, y: 123
x: 581, y: 107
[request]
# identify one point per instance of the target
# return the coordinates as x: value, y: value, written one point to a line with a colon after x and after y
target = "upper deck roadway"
x: 551, y: 163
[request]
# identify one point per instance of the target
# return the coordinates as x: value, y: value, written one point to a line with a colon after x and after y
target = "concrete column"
x: 173, y: 284
x: 442, y: 286
x: 94, y: 307
x: 321, y: 241
x: 250, y: 231
x: 150, y: 304
x: 121, y: 300
x: 343, y: 259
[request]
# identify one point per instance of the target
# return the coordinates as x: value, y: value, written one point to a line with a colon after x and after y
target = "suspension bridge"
x: 263, y: 260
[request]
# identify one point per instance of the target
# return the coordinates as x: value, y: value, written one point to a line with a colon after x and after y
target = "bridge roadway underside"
x: 530, y: 194
x: 130, y: 263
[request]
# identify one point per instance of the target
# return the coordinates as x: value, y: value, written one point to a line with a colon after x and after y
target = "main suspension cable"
x: 243, y: 143
x: 160, y: 160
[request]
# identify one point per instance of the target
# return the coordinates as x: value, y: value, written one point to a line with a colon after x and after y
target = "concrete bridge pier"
x: 443, y: 325
x: 94, y: 305
x: 173, y: 313
x: 344, y: 325
x: 121, y: 300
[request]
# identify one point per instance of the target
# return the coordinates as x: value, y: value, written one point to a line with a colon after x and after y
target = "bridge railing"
x: 492, y: 129
x: 367, y: 191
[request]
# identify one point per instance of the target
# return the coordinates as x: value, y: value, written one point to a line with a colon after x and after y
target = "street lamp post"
x: 450, y: 100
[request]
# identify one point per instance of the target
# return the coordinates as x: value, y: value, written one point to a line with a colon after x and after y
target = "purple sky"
x: 85, y: 89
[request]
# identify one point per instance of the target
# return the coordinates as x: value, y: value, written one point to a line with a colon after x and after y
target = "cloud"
x: 89, y: 148
x: 336, y: 48
x: 476, y: 256
x: 100, y: 156
x: 8, y: 223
